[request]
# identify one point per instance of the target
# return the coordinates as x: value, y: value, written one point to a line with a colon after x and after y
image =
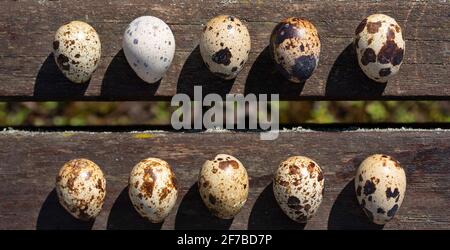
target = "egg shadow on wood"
x: 264, y: 78
x: 266, y: 214
x: 195, y: 73
x: 50, y: 83
x: 120, y: 82
x: 346, y: 213
x: 53, y: 216
x: 347, y: 80
x: 123, y: 216
x: 192, y: 214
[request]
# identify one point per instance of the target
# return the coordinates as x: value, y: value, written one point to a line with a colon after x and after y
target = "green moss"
x: 376, y: 111
x: 143, y: 136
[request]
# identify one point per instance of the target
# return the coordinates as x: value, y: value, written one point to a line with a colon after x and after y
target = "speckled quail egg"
x: 81, y: 188
x: 298, y: 187
x: 223, y: 185
x: 225, y: 45
x: 77, y: 51
x: 295, y: 48
x: 149, y: 46
x: 380, y: 47
x: 153, y: 189
x: 380, y: 185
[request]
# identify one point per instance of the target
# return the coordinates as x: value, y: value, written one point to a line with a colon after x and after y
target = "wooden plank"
x: 27, y: 71
x: 30, y: 161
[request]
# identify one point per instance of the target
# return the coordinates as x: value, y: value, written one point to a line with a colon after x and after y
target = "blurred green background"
x: 159, y: 113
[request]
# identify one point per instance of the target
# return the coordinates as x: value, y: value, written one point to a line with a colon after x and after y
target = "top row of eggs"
x: 149, y: 47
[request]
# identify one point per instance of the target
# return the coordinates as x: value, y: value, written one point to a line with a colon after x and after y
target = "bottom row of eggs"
x: 298, y: 187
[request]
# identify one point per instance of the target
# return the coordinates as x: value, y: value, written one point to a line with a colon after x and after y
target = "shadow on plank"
x: 123, y: 216
x: 264, y: 78
x: 266, y: 214
x: 120, y: 82
x: 53, y: 216
x: 346, y: 213
x: 195, y: 73
x: 347, y: 80
x: 52, y: 84
x: 192, y: 214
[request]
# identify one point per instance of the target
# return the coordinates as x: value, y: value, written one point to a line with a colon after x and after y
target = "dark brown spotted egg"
x: 77, y: 51
x: 298, y: 187
x: 295, y: 48
x: 81, y: 188
x: 223, y: 185
x: 380, y: 185
x: 380, y: 47
x: 153, y: 189
x: 225, y: 45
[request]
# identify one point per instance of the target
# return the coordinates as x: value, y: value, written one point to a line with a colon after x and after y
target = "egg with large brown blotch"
x: 77, y: 51
x: 295, y: 48
x: 81, y: 188
x: 380, y: 47
x: 225, y: 45
x: 298, y: 187
x: 223, y: 185
x: 153, y: 189
x: 380, y: 185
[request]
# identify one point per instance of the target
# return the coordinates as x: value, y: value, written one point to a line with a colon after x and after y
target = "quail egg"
x: 149, y: 47
x: 295, y: 48
x: 380, y: 185
x: 223, y: 185
x: 153, y: 189
x: 225, y: 45
x: 380, y: 47
x: 81, y: 188
x: 77, y: 51
x: 298, y: 187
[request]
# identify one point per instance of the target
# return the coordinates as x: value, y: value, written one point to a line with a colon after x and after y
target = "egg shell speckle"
x: 295, y: 48
x: 153, y: 189
x: 223, y: 185
x: 149, y: 47
x: 298, y: 187
x: 225, y: 45
x: 380, y: 185
x: 77, y: 51
x: 380, y: 47
x: 81, y: 188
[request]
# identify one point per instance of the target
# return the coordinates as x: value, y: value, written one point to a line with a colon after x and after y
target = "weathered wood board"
x: 28, y: 71
x: 30, y: 161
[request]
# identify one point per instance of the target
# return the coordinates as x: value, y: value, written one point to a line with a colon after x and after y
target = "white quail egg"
x: 298, y: 187
x: 149, y: 46
x: 380, y: 47
x: 77, y: 51
x: 380, y: 185
x: 225, y: 45
x: 153, y: 189
x: 223, y: 185
x: 81, y: 188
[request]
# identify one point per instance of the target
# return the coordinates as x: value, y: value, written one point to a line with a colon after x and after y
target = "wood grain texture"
x: 28, y: 72
x: 30, y: 162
